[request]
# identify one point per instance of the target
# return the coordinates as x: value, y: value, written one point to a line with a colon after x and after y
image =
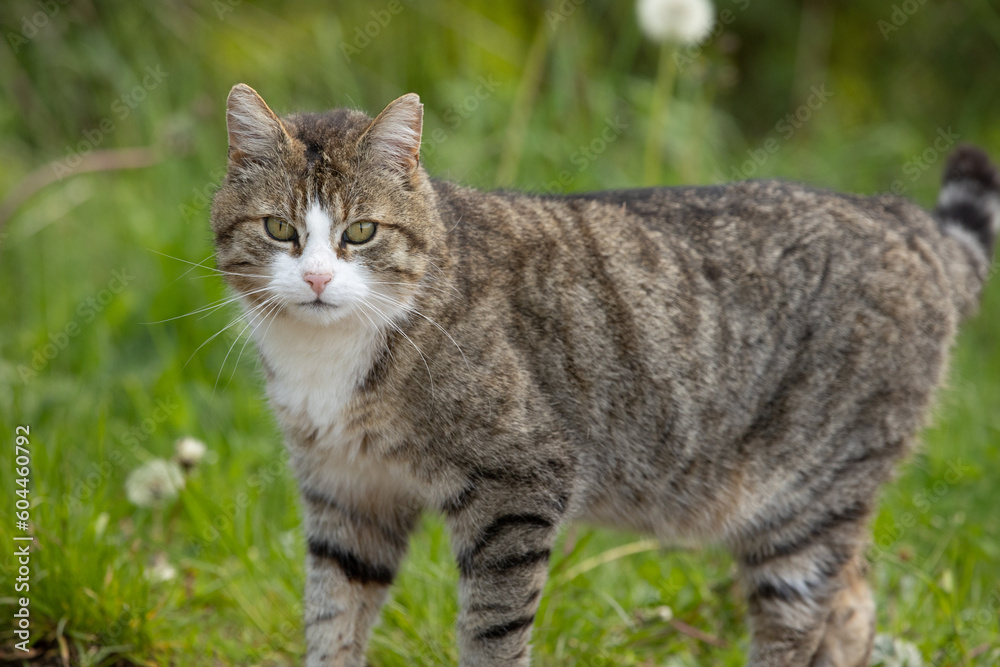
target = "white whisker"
x: 375, y: 329
x: 218, y: 333
x: 445, y: 277
x: 259, y: 313
x: 193, y: 267
x: 267, y: 315
x: 210, y: 308
x: 220, y: 272
x: 202, y: 266
x: 412, y: 309
x: 416, y: 286
x: 403, y: 334
x: 235, y: 320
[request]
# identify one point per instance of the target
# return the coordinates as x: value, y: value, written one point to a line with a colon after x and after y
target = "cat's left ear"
x: 395, y: 135
x: 255, y: 132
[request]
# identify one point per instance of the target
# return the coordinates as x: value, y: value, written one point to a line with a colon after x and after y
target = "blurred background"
x: 113, y: 141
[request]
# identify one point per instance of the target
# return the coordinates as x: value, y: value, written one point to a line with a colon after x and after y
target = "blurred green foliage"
x: 896, y: 73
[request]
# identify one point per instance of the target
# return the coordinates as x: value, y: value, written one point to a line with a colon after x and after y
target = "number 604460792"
x: 22, y: 460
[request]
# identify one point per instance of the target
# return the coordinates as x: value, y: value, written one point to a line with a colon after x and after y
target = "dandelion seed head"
x: 190, y: 451
x: 679, y: 21
x: 160, y: 569
x: 155, y: 482
x: 895, y: 652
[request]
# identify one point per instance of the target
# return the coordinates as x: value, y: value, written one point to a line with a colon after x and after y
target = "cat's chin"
x: 318, y: 313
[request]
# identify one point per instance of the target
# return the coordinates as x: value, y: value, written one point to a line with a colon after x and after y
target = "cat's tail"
x: 968, y: 210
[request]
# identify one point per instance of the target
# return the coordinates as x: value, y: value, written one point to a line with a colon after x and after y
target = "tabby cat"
x: 740, y: 364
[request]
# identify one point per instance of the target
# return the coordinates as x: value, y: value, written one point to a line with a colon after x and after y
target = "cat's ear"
x: 255, y: 132
x: 395, y: 135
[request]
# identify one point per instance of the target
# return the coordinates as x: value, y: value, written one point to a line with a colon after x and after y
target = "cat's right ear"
x: 255, y: 132
x: 395, y: 135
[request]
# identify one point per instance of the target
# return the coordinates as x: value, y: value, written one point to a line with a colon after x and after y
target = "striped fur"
x: 742, y: 364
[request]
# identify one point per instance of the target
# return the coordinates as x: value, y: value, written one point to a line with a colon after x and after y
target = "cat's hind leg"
x: 850, y: 626
x: 809, y: 606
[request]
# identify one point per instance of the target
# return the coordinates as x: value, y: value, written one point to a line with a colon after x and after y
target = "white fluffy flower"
x: 680, y: 21
x: 153, y: 483
x: 189, y: 451
x: 160, y: 569
x: 894, y: 652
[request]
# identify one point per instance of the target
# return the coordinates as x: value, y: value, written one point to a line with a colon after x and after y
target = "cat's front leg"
x: 352, y: 558
x: 502, y: 536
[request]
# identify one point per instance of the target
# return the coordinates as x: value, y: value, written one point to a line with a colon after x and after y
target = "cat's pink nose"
x: 318, y: 281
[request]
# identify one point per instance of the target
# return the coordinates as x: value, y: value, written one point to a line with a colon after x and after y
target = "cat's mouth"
x: 317, y: 304
x: 318, y: 312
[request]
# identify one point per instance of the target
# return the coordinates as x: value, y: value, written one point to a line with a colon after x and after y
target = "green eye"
x: 360, y: 232
x: 279, y: 229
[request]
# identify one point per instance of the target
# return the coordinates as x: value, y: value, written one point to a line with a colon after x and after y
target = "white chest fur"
x: 316, y: 371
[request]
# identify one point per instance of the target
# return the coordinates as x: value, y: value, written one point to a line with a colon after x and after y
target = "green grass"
x: 120, y: 388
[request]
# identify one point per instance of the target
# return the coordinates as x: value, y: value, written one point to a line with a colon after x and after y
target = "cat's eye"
x: 279, y: 229
x: 360, y: 232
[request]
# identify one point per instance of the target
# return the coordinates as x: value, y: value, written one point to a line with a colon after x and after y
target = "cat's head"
x: 324, y: 217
